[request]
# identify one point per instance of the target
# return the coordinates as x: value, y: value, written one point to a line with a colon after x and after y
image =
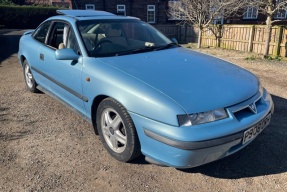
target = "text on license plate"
x: 255, y: 130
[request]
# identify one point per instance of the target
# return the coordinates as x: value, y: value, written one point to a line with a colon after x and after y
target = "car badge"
x: 253, y: 108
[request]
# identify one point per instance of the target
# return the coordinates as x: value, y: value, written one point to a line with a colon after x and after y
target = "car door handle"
x: 42, y: 56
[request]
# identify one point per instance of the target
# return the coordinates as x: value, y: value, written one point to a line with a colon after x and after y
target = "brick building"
x: 155, y: 11
x: 151, y: 11
x: 251, y: 15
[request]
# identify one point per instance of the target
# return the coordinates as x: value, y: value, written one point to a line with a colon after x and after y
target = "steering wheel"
x: 102, y: 42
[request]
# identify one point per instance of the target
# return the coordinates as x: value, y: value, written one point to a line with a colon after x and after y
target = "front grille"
x: 245, y: 111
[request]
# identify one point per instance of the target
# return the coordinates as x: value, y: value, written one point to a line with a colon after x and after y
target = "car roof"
x: 89, y: 14
x: 84, y: 13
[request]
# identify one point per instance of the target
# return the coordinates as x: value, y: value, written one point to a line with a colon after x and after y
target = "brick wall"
x: 81, y: 4
x: 136, y: 8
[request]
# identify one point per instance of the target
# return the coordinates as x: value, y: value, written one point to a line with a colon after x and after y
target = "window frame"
x: 52, y: 32
x: 121, y: 9
x: 92, y: 5
x: 151, y: 10
x: 250, y: 9
x: 50, y: 23
x: 280, y: 10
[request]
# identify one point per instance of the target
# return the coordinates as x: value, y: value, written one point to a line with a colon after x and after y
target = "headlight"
x: 200, y: 118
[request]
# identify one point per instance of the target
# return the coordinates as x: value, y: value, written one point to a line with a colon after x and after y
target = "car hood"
x: 197, y: 82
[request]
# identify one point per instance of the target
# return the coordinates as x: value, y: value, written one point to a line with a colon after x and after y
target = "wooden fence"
x: 248, y: 38
x: 182, y: 33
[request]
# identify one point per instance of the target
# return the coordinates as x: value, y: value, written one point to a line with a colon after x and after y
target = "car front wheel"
x: 117, y: 131
x: 29, y: 79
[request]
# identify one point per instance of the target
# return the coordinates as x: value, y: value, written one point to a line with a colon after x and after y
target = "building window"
x: 218, y: 17
x: 250, y: 13
x: 174, y: 13
x: 281, y: 13
x: 90, y: 7
x: 121, y: 10
x: 151, y: 13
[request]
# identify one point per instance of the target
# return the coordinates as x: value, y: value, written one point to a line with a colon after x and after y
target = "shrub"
x: 6, y: 2
x: 20, y: 17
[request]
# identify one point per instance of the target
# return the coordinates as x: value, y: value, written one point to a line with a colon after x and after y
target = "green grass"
x: 251, y: 58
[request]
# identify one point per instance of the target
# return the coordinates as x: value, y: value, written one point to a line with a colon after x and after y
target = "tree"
x: 271, y: 9
x: 202, y: 13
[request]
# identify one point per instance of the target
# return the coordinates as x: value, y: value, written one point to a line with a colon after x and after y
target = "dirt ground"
x: 46, y: 147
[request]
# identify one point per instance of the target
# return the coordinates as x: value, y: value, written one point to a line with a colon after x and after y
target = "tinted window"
x: 41, y: 32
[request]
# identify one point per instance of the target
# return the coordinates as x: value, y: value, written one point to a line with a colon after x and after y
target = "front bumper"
x: 185, y: 147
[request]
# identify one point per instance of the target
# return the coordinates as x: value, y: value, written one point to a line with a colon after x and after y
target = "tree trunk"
x: 268, y: 28
x: 199, y: 37
x: 267, y: 35
x: 218, y: 35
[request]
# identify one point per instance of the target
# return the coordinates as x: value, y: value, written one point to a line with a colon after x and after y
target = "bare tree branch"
x: 269, y: 7
x: 202, y: 13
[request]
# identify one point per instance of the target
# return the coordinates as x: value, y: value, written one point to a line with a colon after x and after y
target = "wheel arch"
x: 97, y: 100
x: 22, y: 59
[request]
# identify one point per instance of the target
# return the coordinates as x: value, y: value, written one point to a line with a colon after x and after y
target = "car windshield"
x: 105, y: 38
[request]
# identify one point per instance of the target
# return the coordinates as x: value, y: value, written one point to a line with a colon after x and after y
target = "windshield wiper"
x: 167, y: 46
x: 139, y: 50
x: 146, y: 49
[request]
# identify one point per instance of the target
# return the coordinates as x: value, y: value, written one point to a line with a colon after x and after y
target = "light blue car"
x: 142, y: 92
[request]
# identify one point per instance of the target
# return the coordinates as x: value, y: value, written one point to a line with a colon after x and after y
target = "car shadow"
x: 266, y: 155
x: 9, y: 43
x: 5, y: 117
x: 14, y: 135
x: 140, y: 160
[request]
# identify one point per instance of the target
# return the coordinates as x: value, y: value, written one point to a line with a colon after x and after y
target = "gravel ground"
x: 46, y: 147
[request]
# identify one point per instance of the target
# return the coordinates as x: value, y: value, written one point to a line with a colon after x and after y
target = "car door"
x: 64, y: 75
x: 38, y: 40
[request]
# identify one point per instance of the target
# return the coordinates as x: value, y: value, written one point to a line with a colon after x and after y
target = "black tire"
x: 117, y: 131
x: 29, y: 79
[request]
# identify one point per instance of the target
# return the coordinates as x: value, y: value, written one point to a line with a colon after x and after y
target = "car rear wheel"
x: 117, y: 131
x: 29, y: 79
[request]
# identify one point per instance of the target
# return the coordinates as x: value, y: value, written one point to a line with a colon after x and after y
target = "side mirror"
x: 66, y: 54
x: 174, y: 40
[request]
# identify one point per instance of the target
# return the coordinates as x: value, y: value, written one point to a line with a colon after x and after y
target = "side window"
x: 72, y: 42
x: 41, y: 32
x: 57, y: 34
x: 62, y: 36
